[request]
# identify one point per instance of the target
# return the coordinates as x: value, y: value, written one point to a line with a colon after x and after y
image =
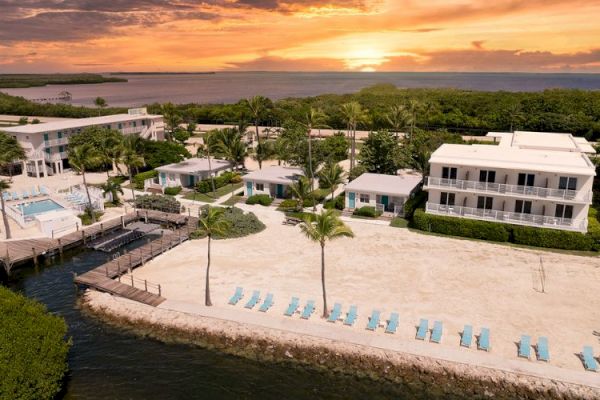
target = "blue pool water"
x: 38, y: 207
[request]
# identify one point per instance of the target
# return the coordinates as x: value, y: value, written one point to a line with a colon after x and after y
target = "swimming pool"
x: 38, y: 207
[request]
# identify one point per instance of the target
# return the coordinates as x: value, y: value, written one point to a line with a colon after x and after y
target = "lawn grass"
x: 399, y: 222
x: 210, y: 197
x: 232, y: 201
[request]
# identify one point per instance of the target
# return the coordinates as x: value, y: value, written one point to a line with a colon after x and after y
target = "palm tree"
x: 11, y: 151
x: 257, y: 106
x: 4, y: 185
x: 321, y: 228
x: 397, y: 117
x: 331, y: 176
x: 228, y: 144
x: 263, y: 152
x: 171, y: 117
x: 301, y: 190
x: 353, y: 114
x: 100, y: 103
x: 132, y: 159
x: 313, y: 119
x: 113, y: 188
x: 81, y: 159
x: 412, y: 106
x: 111, y: 150
x: 211, y: 223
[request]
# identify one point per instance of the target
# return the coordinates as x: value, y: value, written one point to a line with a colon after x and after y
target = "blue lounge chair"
x: 253, y: 300
x: 43, y: 190
x: 351, y: 316
x: 374, y: 320
x: 588, y: 359
x: 422, y: 329
x: 292, y: 307
x: 7, y: 196
x: 25, y: 194
x: 436, y: 333
x: 16, y: 196
x: 239, y: 293
x: 467, y: 336
x: 264, y: 307
x: 542, y: 349
x: 392, y: 323
x: 308, y: 309
x: 484, y: 340
x: 34, y: 192
x: 525, y: 347
x: 335, y: 313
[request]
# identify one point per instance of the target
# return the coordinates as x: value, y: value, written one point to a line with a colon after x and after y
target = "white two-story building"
x: 46, y: 144
x: 529, y: 178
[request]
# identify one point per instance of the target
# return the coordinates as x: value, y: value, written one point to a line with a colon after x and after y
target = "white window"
x: 364, y: 198
x: 260, y: 186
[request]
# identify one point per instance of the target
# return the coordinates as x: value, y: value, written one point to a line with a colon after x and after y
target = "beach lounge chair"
x: 525, y: 347
x: 392, y: 323
x: 264, y: 307
x: 34, y: 192
x: 351, y: 316
x: 374, y: 320
x: 484, y: 340
x: 422, y: 329
x: 25, y: 194
x: 253, y: 300
x: 292, y: 307
x: 335, y: 313
x: 44, y: 191
x: 436, y: 332
x: 16, y: 196
x: 7, y: 196
x: 239, y: 293
x: 588, y: 359
x: 308, y: 309
x: 467, y: 336
x: 542, y: 349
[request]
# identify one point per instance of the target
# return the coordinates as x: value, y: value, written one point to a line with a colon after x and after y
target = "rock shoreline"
x: 419, y: 377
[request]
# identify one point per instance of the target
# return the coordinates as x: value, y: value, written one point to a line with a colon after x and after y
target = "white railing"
x: 56, y: 142
x: 544, y: 221
x: 55, y: 156
x: 132, y: 129
x: 517, y: 190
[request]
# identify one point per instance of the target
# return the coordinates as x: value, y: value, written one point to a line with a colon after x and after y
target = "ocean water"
x: 228, y: 87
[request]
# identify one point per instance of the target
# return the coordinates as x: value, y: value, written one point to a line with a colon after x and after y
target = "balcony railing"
x: 516, y: 190
x: 132, y: 129
x: 55, y: 156
x: 543, y: 221
x: 56, y: 142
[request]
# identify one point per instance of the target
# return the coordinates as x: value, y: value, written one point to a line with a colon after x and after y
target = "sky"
x: 299, y: 35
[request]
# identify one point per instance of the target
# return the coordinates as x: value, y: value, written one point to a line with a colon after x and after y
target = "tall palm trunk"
x: 310, y: 169
x: 87, y: 191
x: 207, y: 301
x: 5, y: 218
x: 353, y: 150
x: 212, y: 178
x: 132, y: 187
x: 325, y: 309
x: 258, y: 144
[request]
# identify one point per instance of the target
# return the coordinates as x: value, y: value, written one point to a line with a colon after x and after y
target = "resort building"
x: 529, y: 178
x: 46, y: 144
x: 274, y: 181
x: 187, y: 173
x: 387, y: 193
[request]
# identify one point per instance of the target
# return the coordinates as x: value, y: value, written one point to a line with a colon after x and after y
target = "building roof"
x: 73, y: 123
x: 274, y: 174
x: 395, y: 185
x: 489, y: 156
x: 543, y: 141
x: 194, y: 166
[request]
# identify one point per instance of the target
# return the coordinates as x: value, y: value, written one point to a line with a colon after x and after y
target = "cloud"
x: 285, y: 64
x: 286, y: 6
x: 478, y: 44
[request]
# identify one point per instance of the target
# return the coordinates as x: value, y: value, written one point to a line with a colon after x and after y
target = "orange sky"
x: 353, y: 35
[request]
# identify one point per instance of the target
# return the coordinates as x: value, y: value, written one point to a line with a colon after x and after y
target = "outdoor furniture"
x: 374, y: 320
x: 267, y: 303
x: 16, y: 196
x: 308, y: 309
x: 6, y: 196
x: 467, y: 336
x: 237, y: 296
x: 335, y: 313
x: 392, y: 323
x: 588, y: 359
x: 43, y: 190
x: 34, y: 192
x: 484, y: 340
x: 292, y: 307
x: 542, y: 349
x: 525, y: 347
x: 422, y: 329
x: 25, y: 194
x: 436, y: 333
x: 253, y: 300
x: 351, y: 316
x: 291, y: 221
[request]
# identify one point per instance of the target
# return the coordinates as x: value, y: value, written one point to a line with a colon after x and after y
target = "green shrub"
x: 205, y: 185
x: 173, y: 191
x: 320, y: 194
x: 416, y: 201
x: 240, y: 224
x: 158, y: 202
x: 551, y: 238
x: 399, y: 222
x: 236, y: 178
x: 288, y: 205
x: 594, y: 228
x: 138, y: 180
x: 367, y: 211
x: 464, y: 227
x: 338, y: 203
x: 262, y: 199
x: 86, y: 217
x: 33, y: 349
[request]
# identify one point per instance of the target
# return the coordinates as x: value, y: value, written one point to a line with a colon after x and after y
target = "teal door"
x: 351, y: 200
x: 279, y: 191
x: 192, y: 180
x: 249, y: 188
x: 163, y: 179
x: 385, y: 201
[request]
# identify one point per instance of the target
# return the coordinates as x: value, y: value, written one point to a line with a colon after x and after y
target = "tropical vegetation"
x: 83, y: 158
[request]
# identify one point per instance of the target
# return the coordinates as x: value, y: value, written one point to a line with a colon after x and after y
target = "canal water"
x: 108, y: 363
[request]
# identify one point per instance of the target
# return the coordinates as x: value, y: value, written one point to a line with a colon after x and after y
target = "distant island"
x: 34, y: 80
x: 162, y: 73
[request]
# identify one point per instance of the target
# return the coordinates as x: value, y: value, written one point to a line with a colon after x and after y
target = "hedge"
x: 205, y: 185
x: 416, y: 201
x: 338, y: 203
x: 367, y: 211
x: 262, y: 199
x: 288, y: 205
x: 173, y: 191
x: 33, y: 349
x: 551, y: 238
x: 158, y: 202
x: 138, y: 180
x: 240, y: 224
x: 454, y: 226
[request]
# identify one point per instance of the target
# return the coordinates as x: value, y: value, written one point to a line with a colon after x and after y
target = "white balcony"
x: 132, y: 130
x: 56, y: 142
x: 509, y: 190
x: 55, y: 156
x: 541, y: 221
